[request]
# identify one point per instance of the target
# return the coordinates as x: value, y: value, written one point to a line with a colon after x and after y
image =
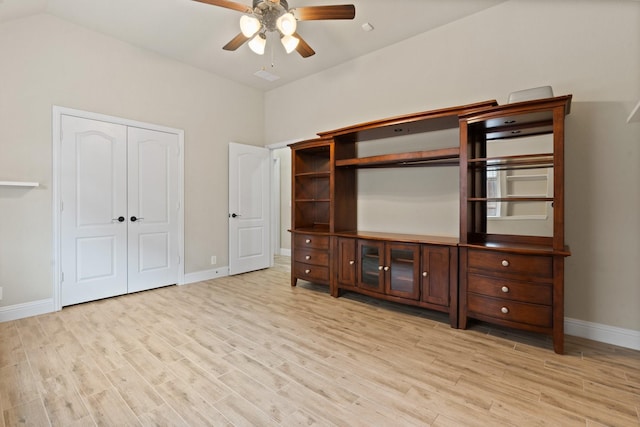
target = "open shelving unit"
x: 456, y: 275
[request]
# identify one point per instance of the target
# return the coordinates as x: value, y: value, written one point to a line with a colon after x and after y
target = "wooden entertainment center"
x: 506, y: 266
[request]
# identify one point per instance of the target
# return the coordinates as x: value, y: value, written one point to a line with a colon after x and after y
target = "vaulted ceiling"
x: 194, y: 33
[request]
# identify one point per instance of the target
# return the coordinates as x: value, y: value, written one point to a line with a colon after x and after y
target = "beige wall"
x: 47, y: 61
x: 588, y: 48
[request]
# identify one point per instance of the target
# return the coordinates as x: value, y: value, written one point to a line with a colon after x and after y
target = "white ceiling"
x: 194, y: 33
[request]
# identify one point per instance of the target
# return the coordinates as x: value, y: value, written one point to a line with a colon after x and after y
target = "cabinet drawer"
x: 311, y: 241
x: 530, y: 314
x: 312, y: 256
x: 311, y: 272
x: 536, y: 293
x: 508, y: 264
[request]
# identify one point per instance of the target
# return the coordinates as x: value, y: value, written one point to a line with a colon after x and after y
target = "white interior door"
x: 153, y: 207
x: 120, y: 207
x: 249, y: 208
x: 93, y: 191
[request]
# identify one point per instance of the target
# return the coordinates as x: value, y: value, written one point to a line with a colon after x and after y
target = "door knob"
x: 119, y: 219
x: 234, y: 215
x: 134, y: 219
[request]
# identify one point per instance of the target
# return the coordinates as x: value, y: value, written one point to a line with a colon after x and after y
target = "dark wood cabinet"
x: 437, y: 265
x: 512, y: 216
x: 312, y: 198
x: 346, y: 261
x: 506, y: 266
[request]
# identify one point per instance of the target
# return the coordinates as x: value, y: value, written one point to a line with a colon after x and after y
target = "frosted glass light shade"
x: 287, y: 24
x: 249, y: 25
x: 290, y: 43
x: 257, y: 44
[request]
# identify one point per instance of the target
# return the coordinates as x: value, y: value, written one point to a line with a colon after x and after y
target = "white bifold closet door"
x: 119, y: 209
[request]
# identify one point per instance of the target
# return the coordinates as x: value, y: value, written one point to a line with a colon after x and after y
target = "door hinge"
x: 61, y: 205
x: 61, y: 276
x: 179, y: 260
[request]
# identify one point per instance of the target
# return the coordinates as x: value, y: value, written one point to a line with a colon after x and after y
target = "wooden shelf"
x: 312, y: 200
x: 320, y: 174
x: 510, y: 199
x: 19, y: 184
x: 444, y: 156
x: 529, y: 161
x: 398, y: 237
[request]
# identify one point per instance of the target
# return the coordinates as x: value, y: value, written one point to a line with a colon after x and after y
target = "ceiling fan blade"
x: 314, y: 13
x: 303, y: 48
x: 236, y: 42
x: 228, y: 4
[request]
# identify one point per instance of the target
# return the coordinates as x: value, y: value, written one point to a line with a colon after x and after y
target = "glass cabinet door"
x: 371, y: 267
x: 402, y: 270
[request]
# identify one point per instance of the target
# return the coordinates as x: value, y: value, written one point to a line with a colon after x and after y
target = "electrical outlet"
x: 214, y: 260
x: 0, y: 292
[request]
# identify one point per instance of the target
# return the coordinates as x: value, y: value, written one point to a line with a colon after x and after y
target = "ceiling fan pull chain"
x: 273, y: 62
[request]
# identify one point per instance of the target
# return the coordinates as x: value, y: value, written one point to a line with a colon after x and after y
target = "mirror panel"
x: 520, y: 168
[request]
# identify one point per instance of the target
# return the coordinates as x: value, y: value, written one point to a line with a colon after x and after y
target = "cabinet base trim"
x: 614, y: 335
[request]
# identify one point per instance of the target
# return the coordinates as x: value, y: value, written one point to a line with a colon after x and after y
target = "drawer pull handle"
x: 307, y: 241
x: 380, y: 268
x: 351, y: 262
x: 386, y: 268
x: 504, y: 310
x: 505, y: 263
x: 307, y: 271
x: 505, y: 289
x: 425, y: 273
x: 308, y: 257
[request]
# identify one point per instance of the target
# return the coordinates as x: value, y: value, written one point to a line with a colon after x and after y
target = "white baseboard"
x: 603, y: 333
x: 201, y: 276
x: 27, y: 309
x: 285, y: 252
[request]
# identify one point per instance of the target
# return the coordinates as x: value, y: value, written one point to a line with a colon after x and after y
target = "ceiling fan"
x: 275, y: 16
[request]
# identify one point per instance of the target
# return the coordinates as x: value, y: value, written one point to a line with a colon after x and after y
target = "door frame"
x: 276, y: 212
x: 56, y: 139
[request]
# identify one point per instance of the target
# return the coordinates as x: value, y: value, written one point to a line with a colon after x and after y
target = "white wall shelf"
x: 18, y: 184
x: 635, y: 114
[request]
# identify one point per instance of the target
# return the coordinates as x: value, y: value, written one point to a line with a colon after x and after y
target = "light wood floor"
x: 252, y: 351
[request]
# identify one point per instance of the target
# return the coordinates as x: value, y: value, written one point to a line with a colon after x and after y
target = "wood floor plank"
x: 17, y: 386
x: 260, y: 395
x: 66, y: 408
x: 27, y: 414
x: 11, y: 351
x: 162, y: 416
x: 194, y: 409
x: 256, y: 370
x: 134, y: 390
x: 199, y: 379
x: 107, y: 408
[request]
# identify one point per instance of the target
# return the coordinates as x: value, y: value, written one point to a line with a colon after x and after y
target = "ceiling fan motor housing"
x: 269, y: 12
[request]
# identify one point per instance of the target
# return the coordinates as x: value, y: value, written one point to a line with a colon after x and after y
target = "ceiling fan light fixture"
x: 257, y: 44
x: 290, y: 43
x: 287, y: 24
x: 249, y: 25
